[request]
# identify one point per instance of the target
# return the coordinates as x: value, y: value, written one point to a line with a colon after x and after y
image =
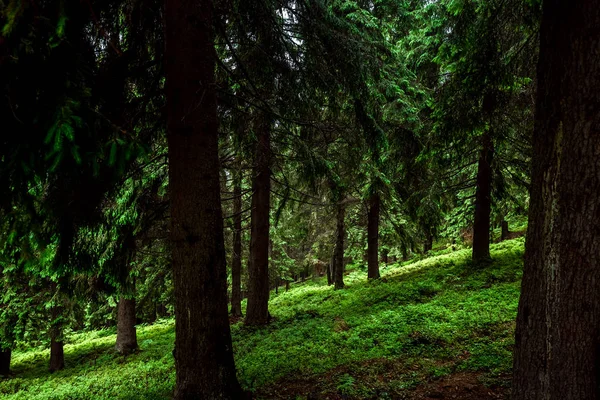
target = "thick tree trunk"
x: 338, y: 270
x: 483, y: 202
x: 5, y: 355
x: 257, y: 311
x: 204, y: 364
x: 236, y: 257
x: 505, y: 231
x: 126, y: 334
x: 373, y: 237
x: 557, y: 346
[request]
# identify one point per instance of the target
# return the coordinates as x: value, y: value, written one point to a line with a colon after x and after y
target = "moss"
x: 439, y: 313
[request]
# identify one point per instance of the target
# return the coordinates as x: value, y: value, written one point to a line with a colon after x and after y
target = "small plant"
x: 346, y: 384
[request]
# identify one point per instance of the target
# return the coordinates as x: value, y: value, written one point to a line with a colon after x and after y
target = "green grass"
x: 428, y: 318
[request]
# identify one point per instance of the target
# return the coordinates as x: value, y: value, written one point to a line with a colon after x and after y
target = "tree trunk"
x: 236, y: 261
x: 557, y: 347
x: 57, y: 355
x: 428, y: 246
x: 338, y: 270
x: 5, y: 355
x: 257, y: 311
x: 331, y: 269
x: 505, y: 231
x: 373, y: 237
x: 126, y: 334
x: 483, y: 202
x: 204, y: 364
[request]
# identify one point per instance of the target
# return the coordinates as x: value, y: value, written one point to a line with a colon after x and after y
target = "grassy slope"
x: 423, y: 320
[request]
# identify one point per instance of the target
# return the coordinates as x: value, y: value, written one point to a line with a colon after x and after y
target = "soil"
x: 378, y: 379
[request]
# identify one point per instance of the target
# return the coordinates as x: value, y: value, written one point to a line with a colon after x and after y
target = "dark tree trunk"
x: 257, y: 310
x: 204, y: 364
x: 236, y: 261
x: 557, y: 346
x: 505, y: 231
x: 373, y: 237
x: 57, y: 355
x: 428, y: 246
x: 126, y: 334
x: 483, y: 202
x: 5, y: 355
x: 338, y: 270
x: 331, y: 269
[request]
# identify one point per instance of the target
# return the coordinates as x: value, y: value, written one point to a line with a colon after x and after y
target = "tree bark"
x: 557, y: 346
x: 505, y: 232
x: 373, y: 237
x: 126, y: 334
x: 204, y: 364
x: 257, y: 311
x: 428, y: 246
x: 5, y: 356
x: 331, y: 269
x: 57, y: 355
x: 236, y: 257
x: 338, y: 270
x: 483, y: 202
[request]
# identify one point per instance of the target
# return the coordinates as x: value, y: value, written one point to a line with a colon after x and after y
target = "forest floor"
x: 435, y: 328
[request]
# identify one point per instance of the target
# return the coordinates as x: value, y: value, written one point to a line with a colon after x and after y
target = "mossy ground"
x: 420, y: 322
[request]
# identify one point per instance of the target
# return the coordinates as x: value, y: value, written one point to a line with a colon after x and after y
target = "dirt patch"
x: 460, y: 385
x: 388, y: 379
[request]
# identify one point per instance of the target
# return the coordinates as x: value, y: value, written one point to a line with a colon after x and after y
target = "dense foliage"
x: 345, y: 178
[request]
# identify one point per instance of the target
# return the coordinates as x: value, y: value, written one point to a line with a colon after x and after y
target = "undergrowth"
x: 428, y: 318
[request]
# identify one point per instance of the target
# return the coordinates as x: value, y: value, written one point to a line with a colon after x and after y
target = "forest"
x: 300, y: 199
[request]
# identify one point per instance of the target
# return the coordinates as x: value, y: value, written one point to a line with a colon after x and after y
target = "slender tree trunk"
x: 126, y: 334
x: 204, y: 364
x: 373, y: 237
x: 338, y: 270
x: 557, y: 341
x: 5, y: 355
x: 257, y: 311
x: 428, y: 246
x: 331, y: 269
x: 483, y: 202
x: 505, y: 231
x: 236, y: 261
x: 57, y: 355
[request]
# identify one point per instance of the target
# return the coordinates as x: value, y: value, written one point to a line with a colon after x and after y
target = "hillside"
x: 433, y: 328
